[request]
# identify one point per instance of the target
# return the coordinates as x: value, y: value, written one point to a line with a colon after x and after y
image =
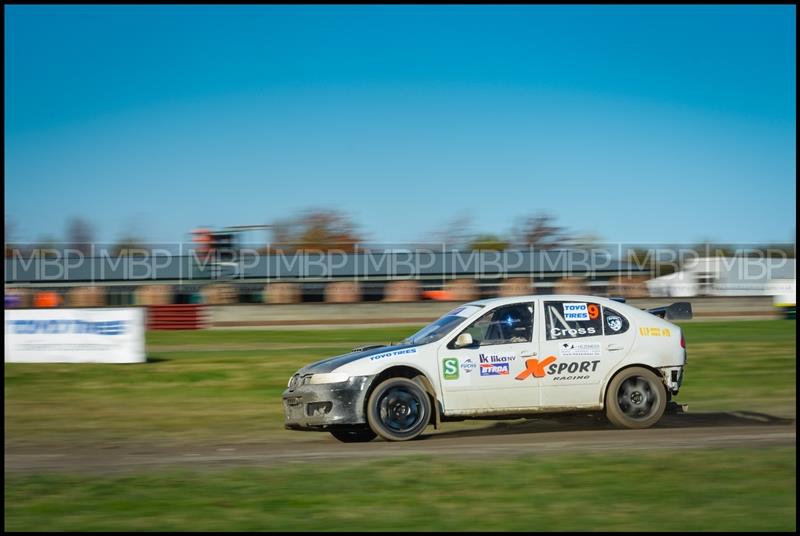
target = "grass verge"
x: 720, y: 490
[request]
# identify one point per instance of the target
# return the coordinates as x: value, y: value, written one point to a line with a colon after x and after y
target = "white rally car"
x: 503, y: 358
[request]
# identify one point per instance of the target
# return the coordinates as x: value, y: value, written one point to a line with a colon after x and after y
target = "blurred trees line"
x: 80, y: 237
x: 320, y: 230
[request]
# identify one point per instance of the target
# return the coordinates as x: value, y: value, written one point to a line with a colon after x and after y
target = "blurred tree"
x: 46, y: 247
x: 131, y: 242
x: 586, y: 240
x: 488, y: 242
x: 315, y: 230
x: 80, y: 235
x: 707, y: 248
x: 782, y: 251
x: 129, y: 246
x: 455, y: 233
x: 282, y: 240
x: 541, y: 232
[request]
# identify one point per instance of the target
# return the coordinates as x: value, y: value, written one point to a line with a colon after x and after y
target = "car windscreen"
x: 441, y: 327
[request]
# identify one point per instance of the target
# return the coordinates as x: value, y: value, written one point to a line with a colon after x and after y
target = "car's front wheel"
x: 636, y: 398
x: 354, y: 436
x: 398, y: 409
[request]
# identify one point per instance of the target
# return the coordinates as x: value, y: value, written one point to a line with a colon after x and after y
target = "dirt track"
x: 538, y: 436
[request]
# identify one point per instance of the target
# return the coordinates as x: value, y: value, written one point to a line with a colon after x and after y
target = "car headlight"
x: 294, y: 381
x: 331, y: 377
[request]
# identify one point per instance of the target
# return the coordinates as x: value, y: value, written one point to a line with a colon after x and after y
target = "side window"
x: 613, y: 322
x: 569, y: 320
x: 504, y: 325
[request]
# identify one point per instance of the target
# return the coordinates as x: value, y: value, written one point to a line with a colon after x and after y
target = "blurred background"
x: 220, y: 133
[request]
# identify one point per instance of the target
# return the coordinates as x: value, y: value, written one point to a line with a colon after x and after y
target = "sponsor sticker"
x: 654, y: 332
x: 468, y: 366
x: 579, y: 349
x: 450, y: 368
x: 61, y: 326
x: 614, y: 322
x: 535, y: 368
x: 558, y: 333
x: 496, y: 358
x: 559, y: 371
x: 394, y: 353
x: 463, y: 311
x: 75, y: 335
x: 576, y: 311
x: 495, y: 369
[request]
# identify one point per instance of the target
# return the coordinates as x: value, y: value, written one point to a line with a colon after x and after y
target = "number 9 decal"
x: 594, y: 311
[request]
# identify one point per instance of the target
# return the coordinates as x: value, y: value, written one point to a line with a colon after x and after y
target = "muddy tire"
x: 354, y: 436
x: 636, y: 398
x: 398, y: 409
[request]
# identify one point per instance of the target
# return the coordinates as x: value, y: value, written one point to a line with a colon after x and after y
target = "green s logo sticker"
x: 450, y: 368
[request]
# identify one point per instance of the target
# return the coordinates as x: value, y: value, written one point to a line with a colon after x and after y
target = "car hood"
x: 332, y: 363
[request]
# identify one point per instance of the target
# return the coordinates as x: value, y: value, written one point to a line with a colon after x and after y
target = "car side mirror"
x: 465, y: 339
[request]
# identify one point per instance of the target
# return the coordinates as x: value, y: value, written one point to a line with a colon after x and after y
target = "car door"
x: 584, y: 342
x: 490, y: 375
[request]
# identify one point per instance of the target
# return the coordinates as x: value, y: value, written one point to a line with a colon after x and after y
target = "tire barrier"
x: 401, y: 291
x: 86, y: 297
x: 282, y: 293
x: 516, y: 286
x: 183, y: 316
x: 462, y: 290
x: 153, y: 295
x: 17, y: 297
x: 342, y: 292
x: 571, y: 285
x: 47, y: 299
x: 220, y: 294
x: 628, y: 287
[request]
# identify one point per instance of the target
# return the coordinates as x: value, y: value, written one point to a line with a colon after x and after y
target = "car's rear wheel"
x: 636, y: 398
x: 354, y: 436
x: 398, y: 409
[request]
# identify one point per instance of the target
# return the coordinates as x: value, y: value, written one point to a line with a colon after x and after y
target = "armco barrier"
x: 183, y: 316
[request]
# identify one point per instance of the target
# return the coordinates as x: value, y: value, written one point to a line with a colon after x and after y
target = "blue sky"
x: 636, y: 124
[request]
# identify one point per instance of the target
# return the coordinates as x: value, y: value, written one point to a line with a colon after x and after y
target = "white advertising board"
x: 75, y: 335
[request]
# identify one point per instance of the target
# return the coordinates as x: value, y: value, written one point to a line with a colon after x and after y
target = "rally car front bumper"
x: 320, y: 407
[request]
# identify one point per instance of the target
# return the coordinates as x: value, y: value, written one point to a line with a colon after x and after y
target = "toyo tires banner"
x: 75, y: 335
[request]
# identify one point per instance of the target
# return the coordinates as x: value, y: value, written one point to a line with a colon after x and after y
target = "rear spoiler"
x: 676, y: 311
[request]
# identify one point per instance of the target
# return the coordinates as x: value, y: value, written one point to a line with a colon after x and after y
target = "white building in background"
x: 729, y: 276
x: 783, y: 292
